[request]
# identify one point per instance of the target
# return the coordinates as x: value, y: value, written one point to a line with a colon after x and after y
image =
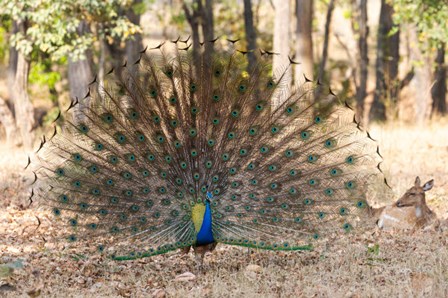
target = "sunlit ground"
x: 371, y: 264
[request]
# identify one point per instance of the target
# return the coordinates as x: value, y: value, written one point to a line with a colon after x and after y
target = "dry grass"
x: 372, y: 264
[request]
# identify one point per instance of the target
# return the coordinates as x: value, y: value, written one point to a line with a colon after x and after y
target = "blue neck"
x: 205, y: 235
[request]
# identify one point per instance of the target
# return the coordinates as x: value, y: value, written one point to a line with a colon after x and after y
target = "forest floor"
x: 368, y: 264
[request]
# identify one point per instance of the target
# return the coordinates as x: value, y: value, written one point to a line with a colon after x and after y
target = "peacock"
x: 194, y: 150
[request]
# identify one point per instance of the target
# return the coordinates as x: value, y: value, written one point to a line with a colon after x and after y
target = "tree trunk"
x: 304, y: 40
x: 193, y: 18
x: 324, y: 58
x: 208, y: 28
x: 385, y: 100
x: 22, y: 104
x: 117, y: 54
x: 363, y: 59
x: 438, y: 91
x: 281, y: 44
x: 18, y: 71
x: 7, y: 120
x: 323, y: 61
x: 134, y: 45
x: 12, y: 63
x: 201, y: 17
x: 79, y: 77
x: 251, y: 35
x: 419, y: 88
x: 7, y: 114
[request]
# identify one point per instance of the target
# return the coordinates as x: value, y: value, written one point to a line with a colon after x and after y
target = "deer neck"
x: 422, y: 210
x: 418, y: 211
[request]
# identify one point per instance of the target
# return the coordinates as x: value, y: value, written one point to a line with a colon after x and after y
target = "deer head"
x: 415, y: 196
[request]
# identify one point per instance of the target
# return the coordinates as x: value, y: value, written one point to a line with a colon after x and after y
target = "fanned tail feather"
x: 152, y: 144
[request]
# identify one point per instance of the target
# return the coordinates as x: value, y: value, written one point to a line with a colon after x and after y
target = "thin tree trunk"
x: 420, y: 85
x: 118, y: 56
x: 251, y: 35
x: 79, y: 77
x: 18, y: 72
x: 363, y: 59
x: 324, y: 58
x: 23, y: 106
x: 281, y: 44
x: 193, y: 18
x: 12, y: 63
x: 385, y: 100
x: 8, y: 122
x: 438, y: 91
x: 134, y: 45
x: 101, y: 68
x: 200, y: 18
x: 7, y: 114
x: 208, y: 28
x: 304, y: 40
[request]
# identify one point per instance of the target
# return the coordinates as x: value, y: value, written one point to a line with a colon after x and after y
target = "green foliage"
x: 179, y: 19
x: 53, y: 25
x: 429, y: 16
x: 140, y: 8
x: 5, y: 25
x: 3, y: 44
x: 41, y: 76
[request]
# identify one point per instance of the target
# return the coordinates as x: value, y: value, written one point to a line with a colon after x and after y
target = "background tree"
x: 427, y: 22
x: 304, y: 40
x: 62, y: 44
x: 361, y: 28
x: 23, y: 108
x: 281, y: 39
x: 386, y: 69
x: 9, y: 123
x: 60, y: 29
x: 251, y: 35
x: 438, y: 91
x: 200, y: 17
x: 134, y: 44
x: 80, y: 71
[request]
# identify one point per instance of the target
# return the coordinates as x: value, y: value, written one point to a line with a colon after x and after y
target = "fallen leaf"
x: 254, y: 268
x: 159, y: 293
x: 186, y: 276
x: 34, y: 293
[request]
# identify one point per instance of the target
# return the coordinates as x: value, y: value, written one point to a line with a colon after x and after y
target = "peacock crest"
x: 189, y: 152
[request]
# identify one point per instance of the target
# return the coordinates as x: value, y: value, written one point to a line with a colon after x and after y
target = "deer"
x: 410, y: 211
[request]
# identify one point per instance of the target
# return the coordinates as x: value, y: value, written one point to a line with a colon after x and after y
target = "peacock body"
x: 189, y: 152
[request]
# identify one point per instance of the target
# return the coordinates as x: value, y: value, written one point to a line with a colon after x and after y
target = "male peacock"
x: 192, y: 152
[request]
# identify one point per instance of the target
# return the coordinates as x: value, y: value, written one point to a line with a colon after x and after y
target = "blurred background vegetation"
x: 386, y: 58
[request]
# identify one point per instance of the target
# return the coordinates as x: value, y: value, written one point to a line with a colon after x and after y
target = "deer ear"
x: 417, y: 181
x: 428, y: 185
